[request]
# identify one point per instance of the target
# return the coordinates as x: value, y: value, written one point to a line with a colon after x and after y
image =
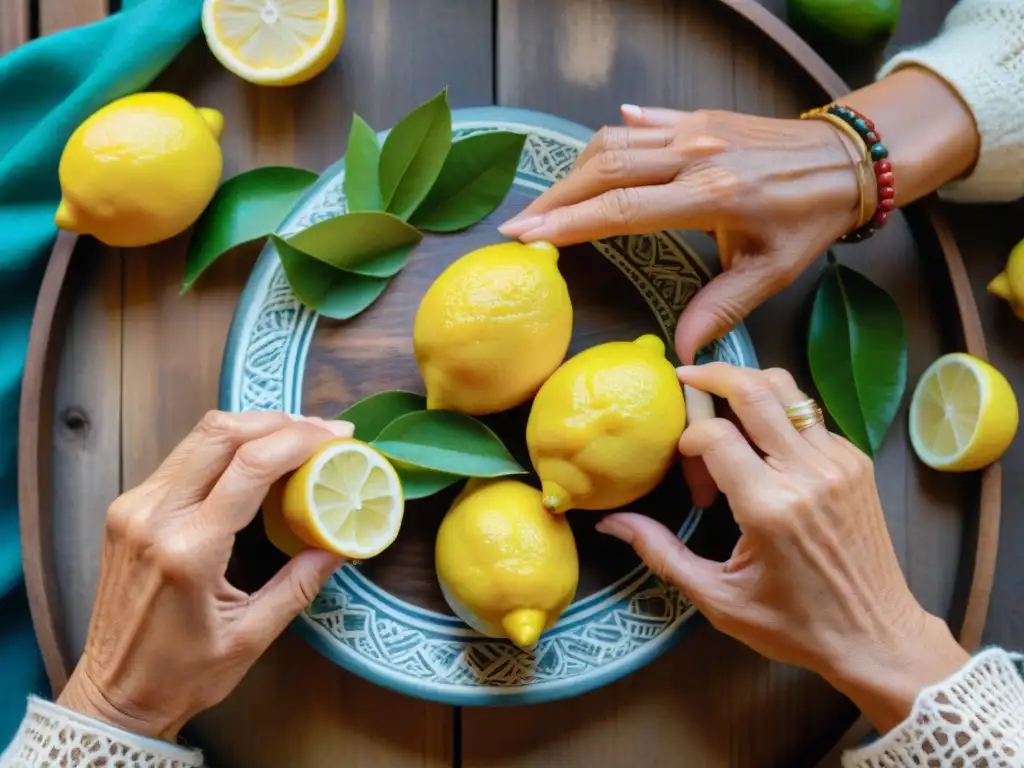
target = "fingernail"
x: 519, y: 225
x: 339, y: 428
x: 682, y: 370
x: 613, y: 527
x: 632, y: 110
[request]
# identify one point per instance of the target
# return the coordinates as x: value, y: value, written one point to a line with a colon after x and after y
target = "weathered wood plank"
x: 14, y: 21
x: 87, y: 401
x: 55, y: 15
x: 173, y: 346
x: 709, y: 700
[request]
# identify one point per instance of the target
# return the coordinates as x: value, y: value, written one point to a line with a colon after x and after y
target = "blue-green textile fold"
x: 47, y: 88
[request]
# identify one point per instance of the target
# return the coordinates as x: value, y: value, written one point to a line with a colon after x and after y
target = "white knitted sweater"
x: 980, y: 52
x: 976, y: 718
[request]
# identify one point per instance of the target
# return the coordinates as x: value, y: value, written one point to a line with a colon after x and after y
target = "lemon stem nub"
x: 523, y: 626
x: 213, y: 119
x: 651, y: 343
x: 555, y: 497
x: 64, y: 218
x: 1000, y: 286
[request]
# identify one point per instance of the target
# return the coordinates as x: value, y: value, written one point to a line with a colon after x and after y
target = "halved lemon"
x: 274, y: 42
x: 346, y: 499
x: 963, y: 415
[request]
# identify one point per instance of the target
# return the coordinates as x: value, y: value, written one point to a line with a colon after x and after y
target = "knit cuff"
x: 53, y: 735
x: 980, y: 54
x: 976, y: 717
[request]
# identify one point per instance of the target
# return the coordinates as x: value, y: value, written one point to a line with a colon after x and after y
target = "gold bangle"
x: 861, y: 164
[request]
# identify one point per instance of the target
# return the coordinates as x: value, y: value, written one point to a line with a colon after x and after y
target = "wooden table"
x: 139, y: 365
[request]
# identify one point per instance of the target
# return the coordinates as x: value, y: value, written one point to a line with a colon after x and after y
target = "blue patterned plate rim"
x: 423, y: 653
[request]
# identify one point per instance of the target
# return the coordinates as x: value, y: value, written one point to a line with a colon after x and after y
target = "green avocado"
x: 854, y: 23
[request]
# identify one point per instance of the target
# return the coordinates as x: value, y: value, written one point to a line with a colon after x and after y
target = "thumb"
x: 723, y: 303
x: 669, y: 559
x: 291, y: 589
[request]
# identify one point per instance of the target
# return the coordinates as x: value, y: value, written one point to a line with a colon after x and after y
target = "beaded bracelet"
x: 877, y: 155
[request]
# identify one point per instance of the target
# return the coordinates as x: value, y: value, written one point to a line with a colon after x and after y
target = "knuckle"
x: 613, y: 163
x: 251, y: 463
x: 175, y: 556
x: 303, y: 591
x: 751, y: 391
x: 621, y: 205
x: 611, y: 137
x: 218, y: 423
x: 781, y: 380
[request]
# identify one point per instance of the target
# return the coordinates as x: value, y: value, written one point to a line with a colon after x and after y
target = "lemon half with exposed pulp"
x: 346, y: 499
x: 274, y: 42
x: 963, y: 415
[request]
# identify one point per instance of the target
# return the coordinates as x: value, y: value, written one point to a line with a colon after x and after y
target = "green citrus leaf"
x: 446, y: 441
x: 475, y: 178
x: 370, y: 243
x: 370, y: 415
x: 362, y: 168
x: 419, y: 483
x: 332, y: 292
x: 857, y: 350
x: 413, y: 154
x: 247, y: 207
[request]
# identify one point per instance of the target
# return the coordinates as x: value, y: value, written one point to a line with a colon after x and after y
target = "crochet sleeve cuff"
x: 975, y: 717
x: 53, y: 735
x: 980, y: 53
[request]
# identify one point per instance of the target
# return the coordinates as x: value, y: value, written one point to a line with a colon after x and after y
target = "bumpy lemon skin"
x: 604, y: 429
x: 140, y: 170
x: 492, y: 327
x: 506, y: 566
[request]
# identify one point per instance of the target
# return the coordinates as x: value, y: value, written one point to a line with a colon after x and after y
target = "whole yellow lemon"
x: 492, y: 328
x: 140, y: 170
x: 603, y: 429
x: 506, y: 566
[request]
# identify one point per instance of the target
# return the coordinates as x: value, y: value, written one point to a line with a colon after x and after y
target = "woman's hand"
x: 169, y: 635
x: 775, y: 193
x: 813, y: 580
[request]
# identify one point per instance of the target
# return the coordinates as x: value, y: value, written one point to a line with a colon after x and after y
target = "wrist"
x: 884, y: 674
x: 83, y: 695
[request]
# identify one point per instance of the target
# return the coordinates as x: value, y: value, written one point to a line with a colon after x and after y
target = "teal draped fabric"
x: 47, y: 88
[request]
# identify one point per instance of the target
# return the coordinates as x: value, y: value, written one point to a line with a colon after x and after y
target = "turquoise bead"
x: 879, y: 152
x: 861, y: 125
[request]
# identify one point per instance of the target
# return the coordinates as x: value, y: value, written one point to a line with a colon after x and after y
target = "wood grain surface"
x: 138, y: 366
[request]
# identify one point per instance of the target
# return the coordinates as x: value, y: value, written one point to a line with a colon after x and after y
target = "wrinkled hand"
x: 775, y: 193
x: 813, y: 580
x: 169, y: 635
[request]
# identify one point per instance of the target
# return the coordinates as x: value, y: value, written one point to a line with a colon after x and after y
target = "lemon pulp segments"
x: 274, y: 42
x: 347, y: 499
x: 963, y: 414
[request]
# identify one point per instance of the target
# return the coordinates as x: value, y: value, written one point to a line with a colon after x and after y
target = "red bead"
x: 879, y: 218
x: 871, y: 137
x: 886, y: 179
x: 883, y: 166
x: 871, y: 125
x: 886, y: 205
x: 887, y: 193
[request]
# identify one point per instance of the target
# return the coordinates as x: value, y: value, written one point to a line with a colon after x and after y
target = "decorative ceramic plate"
x: 426, y: 653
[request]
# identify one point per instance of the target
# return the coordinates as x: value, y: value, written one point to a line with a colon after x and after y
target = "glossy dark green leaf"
x: 370, y: 415
x: 446, y: 441
x: 247, y: 207
x: 370, y: 243
x: 362, y: 168
x: 413, y: 155
x: 332, y: 292
x: 857, y: 351
x: 476, y: 176
x: 419, y: 483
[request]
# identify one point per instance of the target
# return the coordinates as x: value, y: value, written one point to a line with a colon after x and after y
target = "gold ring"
x: 805, y: 414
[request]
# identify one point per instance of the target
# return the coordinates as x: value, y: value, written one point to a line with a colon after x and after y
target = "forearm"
x: 928, y: 130
x: 885, y: 674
